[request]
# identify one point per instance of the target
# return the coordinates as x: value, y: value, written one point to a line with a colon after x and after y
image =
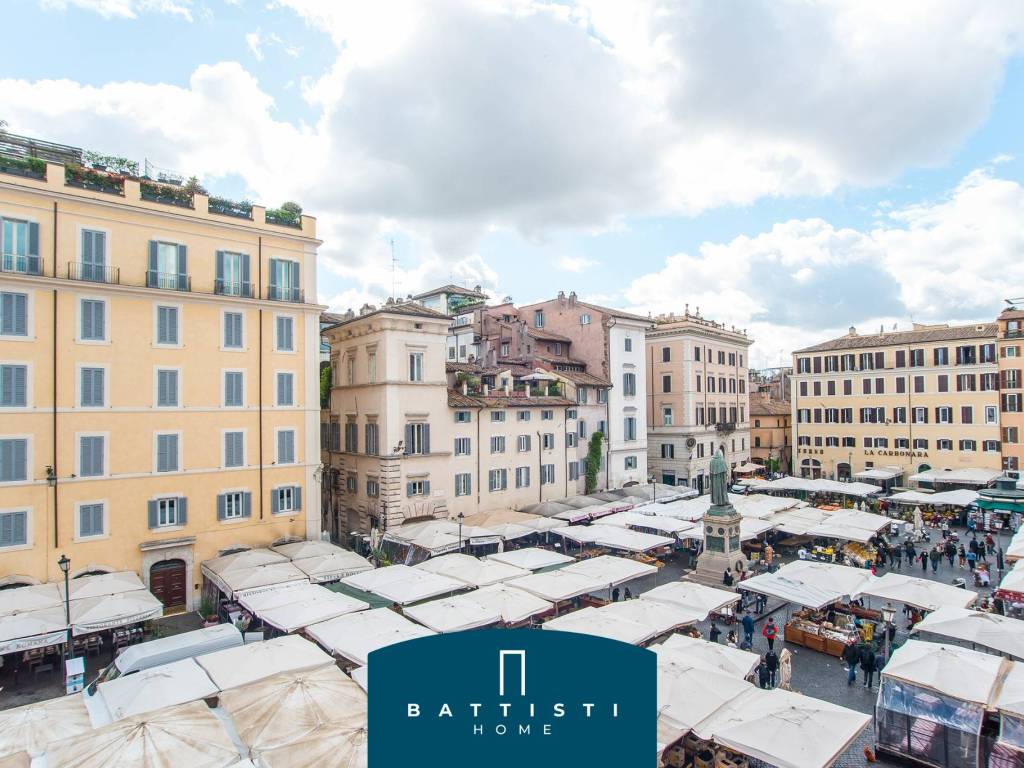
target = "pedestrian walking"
x: 851, y: 655
x: 769, y: 555
x: 770, y: 631
x: 950, y: 552
x: 627, y: 595
x: 961, y: 556
x: 748, y: 628
x: 867, y: 663
x: 923, y: 557
x: 763, y: 675
x: 615, y: 595
x: 771, y: 660
x: 899, y: 557
x: 760, y: 603
x: 934, y: 557
x: 714, y: 633
x: 890, y: 555
x: 730, y: 639
x: 1000, y: 564
x: 972, y: 560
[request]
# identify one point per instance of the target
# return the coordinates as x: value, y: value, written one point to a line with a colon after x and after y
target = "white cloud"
x: 574, y: 263
x: 258, y: 41
x: 126, y: 9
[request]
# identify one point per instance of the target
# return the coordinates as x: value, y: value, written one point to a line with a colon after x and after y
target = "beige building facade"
x: 912, y: 400
x: 769, y: 432
x: 403, y: 440
x: 158, y: 397
x: 697, y: 398
x: 1009, y: 344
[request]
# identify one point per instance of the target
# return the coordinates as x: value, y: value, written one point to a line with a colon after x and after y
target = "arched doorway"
x: 168, y: 584
x: 923, y: 467
x: 810, y: 468
x: 843, y: 471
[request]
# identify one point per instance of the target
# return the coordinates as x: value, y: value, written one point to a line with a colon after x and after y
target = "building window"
x: 574, y: 470
x: 90, y: 520
x: 285, y: 389
x: 462, y: 445
x: 498, y: 444
x: 417, y: 438
x: 233, y: 389
x: 167, y: 326
x: 351, y: 436
x: 463, y: 417
x: 373, y: 487
x: 538, y: 318
x: 630, y: 462
x: 14, y: 386
x: 944, y: 445
x: 666, y: 416
x: 497, y: 480
x: 234, y: 449
x: 16, y: 246
x: 522, y: 443
x: 991, y: 414
x: 90, y: 456
x: 570, y: 439
x: 668, y: 451
x: 284, y: 281
x: 522, y: 477
x: 463, y: 484
x: 233, y: 325
x: 285, y: 334
x: 522, y: 415
x: 232, y: 274
x: 990, y: 446
x: 547, y: 415
x: 547, y: 474
x: 585, y: 319
x: 372, y: 439
x: 13, y: 314
x: 628, y: 344
x: 371, y: 367
x: 581, y: 395
x: 497, y: 416
x: 666, y: 383
x: 581, y: 429
x: 629, y: 384
x: 166, y: 388
x: 415, y: 366
x: 167, y: 512
x: 286, y: 446
x: 286, y: 499
x: 920, y: 444
x: 93, y: 320
x: 968, y: 445
x: 13, y: 460
x: 232, y: 505
x: 167, y: 458
x: 548, y: 441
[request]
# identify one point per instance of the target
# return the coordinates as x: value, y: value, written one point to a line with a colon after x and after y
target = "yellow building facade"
x: 1011, y: 384
x: 910, y: 401
x: 158, y: 390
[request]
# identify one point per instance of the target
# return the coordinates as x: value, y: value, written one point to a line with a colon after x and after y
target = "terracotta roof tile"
x: 760, y: 406
x: 986, y: 331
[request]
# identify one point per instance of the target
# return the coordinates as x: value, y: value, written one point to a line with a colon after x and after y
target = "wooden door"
x: 167, y: 583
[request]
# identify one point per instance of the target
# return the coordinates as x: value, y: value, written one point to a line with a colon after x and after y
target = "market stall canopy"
x: 503, y: 517
x: 286, y: 708
x: 32, y: 629
x: 656, y: 616
x: 668, y: 525
x: 292, y: 608
x: 614, y: 537
x: 186, y: 734
x: 689, y: 694
x: 32, y: 598
x: 101, y: 584
x: 959, y: 498
x: 155, y: 688
x: 402, y: 584
x: 692, y: 596
x: 948, y: 669
x: 817, y: 486
x: 453, y: 614
x: 611, y: 571
x: 595, y: 621
x: 93, y: 614
x: 685, y: 651
x: 747, y: 467
x: 332, y: 566
x: 1015, y: 549
x: 357, y: 635
x: 531, y: 558
x: 1000, y: 633
x: 471, y: 571
x: 241, y: 561
x: 919, y: 593
x: 1010, y: 698
x: 330, y: 747
x: 547, y: 508
x: 247, y: 663
x: 512, y: 605
x: 751, y: 528
x: 361, y: 677
x: 851, y: 525
x: 810, y: 584
x: 878, y: 473
x: 798, y: 521
x: 784, y: 729
x: 241, y: 581
x: 301, y: 550
x: 963, y: 476
x: 1013, y: 581
x: 16, y: 760
x: 556, y: 586
x: 32, y: 727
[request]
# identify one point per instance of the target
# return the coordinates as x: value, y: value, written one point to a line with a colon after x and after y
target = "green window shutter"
x: 34, y: 262
x: 152, y: 275
x: 297, y: 498
x: 152, y: 513
x: 221, y: 506
x: 182, y: 510
x: 182, y: 268
x: 218, y: 285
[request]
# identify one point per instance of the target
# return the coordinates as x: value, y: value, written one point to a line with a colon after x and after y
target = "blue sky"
x: 790, y: 168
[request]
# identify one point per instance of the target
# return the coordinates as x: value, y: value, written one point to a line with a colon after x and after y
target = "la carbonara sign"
x: 511, y: 698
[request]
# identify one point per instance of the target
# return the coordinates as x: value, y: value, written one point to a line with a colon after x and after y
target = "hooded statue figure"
x: 719, y: 479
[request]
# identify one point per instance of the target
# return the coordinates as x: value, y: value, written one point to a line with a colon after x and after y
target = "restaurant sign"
x: 511, y: 697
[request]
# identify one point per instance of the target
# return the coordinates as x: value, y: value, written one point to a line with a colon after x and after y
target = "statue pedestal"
x: 722, y: 550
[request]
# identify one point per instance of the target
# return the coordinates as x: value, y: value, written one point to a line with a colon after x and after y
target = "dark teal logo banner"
x: 512, y: 697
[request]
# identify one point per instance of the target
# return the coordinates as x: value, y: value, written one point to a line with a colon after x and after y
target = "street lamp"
x: 460, y: 518
x: 65, y: 567
x: 888, y: 615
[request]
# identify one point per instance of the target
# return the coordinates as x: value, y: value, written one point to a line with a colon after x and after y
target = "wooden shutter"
x: 426, y: 488
x: 182, y: 268
x: 247, y: 504
x: 275, y: 501
x: 293, y: 267
x: 152, y: 512
x: 408, y: 439
x: 182, y: 510
x: 246, y: 286
x: 218, y: 285
x: 272, y: 293
x: 33, y: 249
x: 426, y: 438
x: 221, y: 506
x: 152, y: 277
x: 297, y: 498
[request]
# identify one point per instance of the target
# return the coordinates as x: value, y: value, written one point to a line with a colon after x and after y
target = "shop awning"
x: 919, y: 593
x: 1001, y: 506
x: 594, y: 621
x: 243, y: 664
x: 357, y: 635
x: 531, y: 558
x: 31, y: 598
x: 240, y: 581
x: 403, y: 584
x: 32, y: 629
x: 103, y: 584
x: 556, y: 586
x: 964, y: 476
x: 948, y: 669
x: 611, y: 571
x: 684, y: 651
x: 293, y: 607
x: 332, y: 566
x: 1000, y: 633
x: 93, y: 614
x: 692, y: 596
x: 878, y: 473
x: 32, y: 727
x: 614, y: 537
x: 155, y: 688
x: 471, y: 571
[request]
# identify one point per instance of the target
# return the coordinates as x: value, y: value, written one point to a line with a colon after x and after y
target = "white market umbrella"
x: 232, y: 667
x: 331, y: 747
x: 949, y: 669
x: 31, y: 598
x: 32, y: 629
x: 356, y: 635
x: 531, y: 558
x: 656, y: 616
x: 470, y: 570
x: 690, y: 595
x: 920, y: 593
x: 102, y: 584
x: 155, y: 688
x: 688, y: 695
x: 611, y: 571
x: 332, y: 566
x: 93, y: 614
x: 592, y: 621
x: 32, y: 727
x: 1000, y: 633
x: 403, y: 584
x: 512, y: 604
x: 684, y: 651
x: 453, y: 614
x: 298, y: 550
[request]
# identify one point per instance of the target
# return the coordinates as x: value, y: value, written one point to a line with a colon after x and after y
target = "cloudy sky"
x: 789, y: 167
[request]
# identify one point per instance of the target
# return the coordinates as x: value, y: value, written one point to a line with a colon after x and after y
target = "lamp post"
x: 460, y: 518
x: 888, y: 615
x: 65, y: 567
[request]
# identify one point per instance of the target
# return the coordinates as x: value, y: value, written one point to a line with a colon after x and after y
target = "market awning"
x: 332, y: 566
x: 594, y: 621
x: 948, y: 669
x: 531, y: 558
x: 30, y: 598
x: 960, y: 497
x: 614, y: 537
x: 357, y: 635
x: 471, y: 571
x: 667, y: 525
x: 101, y: 584
x: 292, y: 607
x: 878, y: 473
x: 810, y: 584
x: 964, y: 476
x: 403, y: 584
x: 692, y: 596
x: 919, y: 593
x: 689, y: 694
x: 556, y: 586
x: 454, y: 614
x: 93, y: 614
x: 32, y: 629
x: 1000, y: 633
x: 657, y: 616
x: 611, y: 571
x: 1000, y: 506
x: 685, y: 651
x: 232, y: 667
x: 32, y: 727
x: 155, y: 688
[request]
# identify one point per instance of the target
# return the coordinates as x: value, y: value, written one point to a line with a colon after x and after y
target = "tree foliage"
x: 593, y: 461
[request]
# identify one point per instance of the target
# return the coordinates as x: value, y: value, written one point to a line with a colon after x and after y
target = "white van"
x: 187, y: 645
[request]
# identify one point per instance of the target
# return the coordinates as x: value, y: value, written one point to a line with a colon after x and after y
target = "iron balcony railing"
x: 284, y: 293
x: 26, y: 265
x: 170, y: 281
x: 94, y: 273
x: 726, y: 426
x: 232, y: 288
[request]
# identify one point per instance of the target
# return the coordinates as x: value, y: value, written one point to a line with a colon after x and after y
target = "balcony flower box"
x: 28, y: 167
x: 225, y: 207
x: 167, y: 194
x: 95, y: 181
x: 283, y: 218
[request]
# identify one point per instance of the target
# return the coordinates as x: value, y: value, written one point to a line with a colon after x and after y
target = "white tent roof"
x: 817, y: 486
x: 811, y: 584
x: 186, y: 734
x: 242, y: 581
x: 751, y: 528
x: 333, y: 566
x: 689, y: 694
x: 403, y: 584
x: 799, y: 520
x: 667, y: 525
x: 878, y: 473
x: 92, y: 614
x: 1013, y: 581
x: 299, y: 550
x: 31, y: 598
x: 102, y: 584
x: 512, y: 604
x: 531, y: 558
x: 965, y: 475
x: 949, y: 669
x: 470, y: 570
x: 1015, y: 549
x: 593, y: 621
x: 356, y: 635
x: 31, y: 727
x: 692, y: 596
x: 614, y: 537
x: 232, y: 667
x: 1010, y: 697
x: 611, y: 571
x: 329, y: 747
x: 1000, y: 633
x: 361, y: 675
x: 290, y: 707
x: 32, y: 629
x: 312, y: 608
x: 558, y: 585
x: 851, y: 525
x: 784, y: 729
x: 657, y: 616
x: 453, y: 614
x: 685, y: 651
x: 960, y: 497
x: 920, y: 593
x: 244, y: 560
x: 156, y: 688
x: 495, y: 519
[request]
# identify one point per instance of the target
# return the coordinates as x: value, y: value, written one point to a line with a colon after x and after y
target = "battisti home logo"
x: 512, y: 697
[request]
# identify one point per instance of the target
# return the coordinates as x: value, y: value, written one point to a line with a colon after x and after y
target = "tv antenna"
x: 394, y: 270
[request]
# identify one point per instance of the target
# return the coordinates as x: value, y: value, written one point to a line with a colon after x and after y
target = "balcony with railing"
x: 725, y: 426
x: 94, y: 273
x: 21, y: 264
x: 232, y: 288
x: 168, y: 281
x: 285, y: 293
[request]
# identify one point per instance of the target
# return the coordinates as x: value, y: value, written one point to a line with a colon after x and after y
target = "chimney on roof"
x: 561, y: 296
x: 853, y: 331
x: 572, y: 299
x: 477, y: 289
x: 465, y: 386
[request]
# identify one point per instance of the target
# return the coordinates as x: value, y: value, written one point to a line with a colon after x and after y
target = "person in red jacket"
x: 770, y: 631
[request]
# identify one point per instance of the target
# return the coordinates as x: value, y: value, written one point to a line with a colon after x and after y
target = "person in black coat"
x: 771, y: 660
x: 851, y: 655
x: 867, y: 663
x: 763, y: 675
